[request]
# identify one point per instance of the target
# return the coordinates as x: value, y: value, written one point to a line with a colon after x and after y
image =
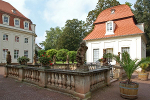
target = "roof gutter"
x: 115, y: 36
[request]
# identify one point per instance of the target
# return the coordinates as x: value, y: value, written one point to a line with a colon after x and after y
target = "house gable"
x: 124, y: 23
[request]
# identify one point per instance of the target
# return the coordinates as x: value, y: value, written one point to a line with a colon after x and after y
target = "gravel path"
x: 11, y: 89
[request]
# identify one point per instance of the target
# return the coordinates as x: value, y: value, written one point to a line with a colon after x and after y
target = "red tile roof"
x: 123, y: 27
x: 121, y: 11
x: 6, y: 7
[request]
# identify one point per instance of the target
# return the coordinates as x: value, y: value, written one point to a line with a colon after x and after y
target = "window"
x: 26, y: 25
x: 5, y: 53
x: 109, y: 50
x: 26, y: 40
x: 26, y: 53
x: 125, y: 49
x: 16, y: 54
x: 16, y: 39
x: 5, y: 37
x: 95, y: 55
x: 109, y: 26
x: 16, y: 22
x: 5, y: 19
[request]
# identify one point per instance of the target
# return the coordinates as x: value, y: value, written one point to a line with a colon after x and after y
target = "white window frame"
x: 5, y: 37
x: 16, y: 54
x: 108, y: 51
x: 26, y: 27
x: 110, y: 29
x: 5, y: 53
x: 94, y: 57
x: 26, y: 53
x: 26, y: 40
x: 15, y: 22
x: 16, y: 38
x: 4, y: 15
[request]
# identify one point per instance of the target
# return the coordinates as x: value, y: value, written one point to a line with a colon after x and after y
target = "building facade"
x: 17, y: 34
x: 116, y: 30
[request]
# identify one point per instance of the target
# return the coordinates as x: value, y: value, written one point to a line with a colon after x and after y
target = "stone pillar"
x: 43, y: 79
x: 82, y: 86
x: 107, y: 77
x: 5, y: 71
x: 21, y: 74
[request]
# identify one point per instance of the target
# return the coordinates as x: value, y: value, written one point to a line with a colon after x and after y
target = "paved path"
x: 11, y: 89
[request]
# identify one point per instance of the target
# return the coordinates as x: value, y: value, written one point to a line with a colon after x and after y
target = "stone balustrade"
x: 76, y: 83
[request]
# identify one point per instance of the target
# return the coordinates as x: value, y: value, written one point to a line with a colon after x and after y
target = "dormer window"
x: 112, y: 11
x: 16, y: 22
x: 26, y: 25
x: 14, y: 11
x: 5, y: 19
x: 110, y: 27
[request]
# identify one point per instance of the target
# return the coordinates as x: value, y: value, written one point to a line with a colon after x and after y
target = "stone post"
x: 21, y: 74
x: 5, y: 71
x: 82, y: 86
x: 43, y: 79
x: 107, y: 77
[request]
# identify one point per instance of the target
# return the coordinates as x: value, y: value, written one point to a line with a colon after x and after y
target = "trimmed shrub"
x: 72, y: 56
x: 62, y: 55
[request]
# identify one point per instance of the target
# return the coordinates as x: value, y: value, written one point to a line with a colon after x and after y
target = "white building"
x: 17, y: 34
x: 116, y: 30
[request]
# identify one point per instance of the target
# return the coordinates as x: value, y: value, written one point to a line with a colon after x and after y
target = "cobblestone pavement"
x: 11, y: 89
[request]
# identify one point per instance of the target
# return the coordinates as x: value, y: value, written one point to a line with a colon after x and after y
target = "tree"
x: 72, y: 55
x: 52, y: 37
x: 72, y: 35
x: 142, y: 13
x: 92, y: 15
x: 62, y: 55
x: 51, y: 52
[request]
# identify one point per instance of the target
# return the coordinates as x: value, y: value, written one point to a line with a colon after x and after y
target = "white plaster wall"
x: 134, y: 42
x: 11, y: 45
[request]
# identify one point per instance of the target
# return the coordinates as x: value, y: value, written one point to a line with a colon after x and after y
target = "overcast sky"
x: 51, y: 13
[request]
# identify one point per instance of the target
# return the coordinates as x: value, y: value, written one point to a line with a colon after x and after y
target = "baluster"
x: 60, y: 80
x: 64, y: 80
x: 49, y: 79
x: 56, y: 79
x: 38, y: 76
x: 68, y: 82
x: 52, y: 79
x: 91, y: 81
x: 72, y: 83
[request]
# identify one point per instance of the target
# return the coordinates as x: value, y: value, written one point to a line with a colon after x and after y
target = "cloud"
x: 19, y: 5
x: 58, y: 11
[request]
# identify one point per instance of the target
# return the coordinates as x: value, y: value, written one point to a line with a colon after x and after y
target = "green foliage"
x: 51, y: 52
x: 92, y: 15
x: 142, y: 13
x: 72, y: 34
x: 62, y: 55
x: 40, y: 52
x: 23, y: 59
x: 144, y: 66
x: 52, y: 38
x: 45, y: 59
x: 128, y: 64
x: 129, y: 4
x: 72, y: 55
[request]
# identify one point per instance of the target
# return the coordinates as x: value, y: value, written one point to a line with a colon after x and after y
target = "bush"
x: 45, y: 59
x: 62, y: 55
x: 40, y: 52
x: 72, y: 56
x: 23, y: 59
x: 51, y: 52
